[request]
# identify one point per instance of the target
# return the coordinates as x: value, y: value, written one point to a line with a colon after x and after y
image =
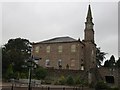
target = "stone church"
x: 69, y: 53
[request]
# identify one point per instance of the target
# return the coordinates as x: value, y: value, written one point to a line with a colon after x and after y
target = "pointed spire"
x: 89, y: 14
x: 89, y: 31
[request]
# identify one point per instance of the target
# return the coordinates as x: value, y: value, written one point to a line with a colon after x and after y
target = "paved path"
x: 7, y: 86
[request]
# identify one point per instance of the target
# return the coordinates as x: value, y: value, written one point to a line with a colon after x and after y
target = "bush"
x: 115, y: 88
x: 78, y: 81
x: 70, y: 80
x: 22, y: 75
x: 62, y: 80
x: 101, y: 85
x: 92, y: 85
x: 47, y: 82
x: 40, y: 73
x: 56, y: 82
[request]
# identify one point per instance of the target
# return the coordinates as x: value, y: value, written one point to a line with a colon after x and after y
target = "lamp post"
x: 30, y: 66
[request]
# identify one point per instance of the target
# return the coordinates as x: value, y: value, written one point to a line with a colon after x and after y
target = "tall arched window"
x: 48, y: 49
x: 37, y: 49
x: 47, y: 63
x: 60, y: 63
x: 72, y: 63
x: 82, y: 66
x: 73, y: 48
x: 60, y: 49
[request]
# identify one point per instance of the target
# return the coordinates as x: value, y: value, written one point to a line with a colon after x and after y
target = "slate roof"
x: 59, y: 39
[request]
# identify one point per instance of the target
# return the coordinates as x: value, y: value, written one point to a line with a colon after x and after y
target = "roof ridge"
x: 59, y: 39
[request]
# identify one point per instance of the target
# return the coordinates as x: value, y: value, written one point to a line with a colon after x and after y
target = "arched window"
x: 73, y: 48
x: 48, y: 49
x: 60, y: 63
x: 59, y: 48
x: 47, y: 63
x: 82, y: 66
x: 37, y: 49
x: 72, y: 63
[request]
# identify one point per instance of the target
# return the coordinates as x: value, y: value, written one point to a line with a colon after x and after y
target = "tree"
x: 110, y: 63
x: 106, y: 64
x: 118, y: 62
x: 100, y: 56
x: 40, y: 73
x: 15, y: 52
x: 9, y: 72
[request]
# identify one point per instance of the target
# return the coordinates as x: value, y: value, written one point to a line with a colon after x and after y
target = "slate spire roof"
x: 89, y: 14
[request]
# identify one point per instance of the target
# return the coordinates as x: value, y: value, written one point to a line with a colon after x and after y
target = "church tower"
x: 90, y: 46
x: 89, y: 32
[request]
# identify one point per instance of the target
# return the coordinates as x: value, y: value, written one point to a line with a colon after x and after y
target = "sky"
x: 38, y: 21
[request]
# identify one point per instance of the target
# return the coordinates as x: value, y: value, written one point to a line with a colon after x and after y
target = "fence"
x: 47, y: 88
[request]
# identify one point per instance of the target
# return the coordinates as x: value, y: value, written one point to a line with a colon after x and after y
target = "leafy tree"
x: 5, y: 61
x: 118, y: 62
x: 110, y: 63
x: 40, y: 73
x: 0, y: 62
x: 106, y: 64
x: 100, y: 56
x: 15, y: 52
x: 9, y: 72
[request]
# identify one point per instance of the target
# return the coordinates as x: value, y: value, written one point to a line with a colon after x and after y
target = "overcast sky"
x: 38, y: 21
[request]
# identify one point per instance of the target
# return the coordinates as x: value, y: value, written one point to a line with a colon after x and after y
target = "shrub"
x: 62, y: 80
x: 78, y: 81
x: 115, y: 88
x: 56, y: 82
x: 70, y: 80
x: 92, y: 85
x: 101, y: 85
x: 23, y: 75
x: 40, y: 73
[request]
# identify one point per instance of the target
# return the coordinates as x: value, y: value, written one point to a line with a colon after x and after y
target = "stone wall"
x: 73, y: 59
x: 56, y: 73
x: 65, y: 72
x: 104, y: 71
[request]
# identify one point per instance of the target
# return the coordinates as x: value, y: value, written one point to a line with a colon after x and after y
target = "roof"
x: 59, y: 39
x: 89, y: 14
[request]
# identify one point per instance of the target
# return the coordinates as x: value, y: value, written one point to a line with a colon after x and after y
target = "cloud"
x: 43, y: 20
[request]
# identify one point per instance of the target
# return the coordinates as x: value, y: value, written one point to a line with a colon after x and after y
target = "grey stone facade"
x: 72, y: 54
x: 68, y: 53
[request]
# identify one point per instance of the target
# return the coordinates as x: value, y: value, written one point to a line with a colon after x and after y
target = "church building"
x: 67, y: 52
